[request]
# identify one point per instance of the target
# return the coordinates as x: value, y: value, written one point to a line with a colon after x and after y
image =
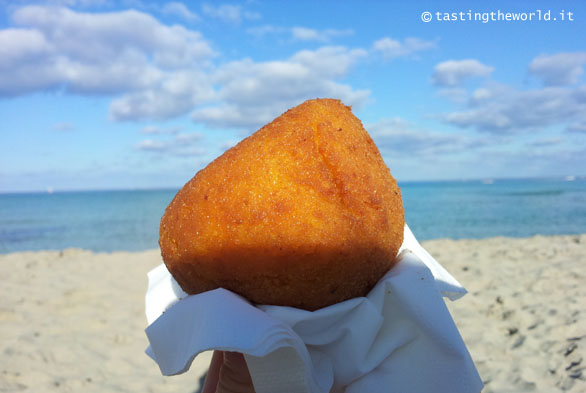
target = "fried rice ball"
x: 302, y: 213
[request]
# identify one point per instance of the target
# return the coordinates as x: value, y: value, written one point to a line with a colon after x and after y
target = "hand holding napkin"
x: 400, y: 338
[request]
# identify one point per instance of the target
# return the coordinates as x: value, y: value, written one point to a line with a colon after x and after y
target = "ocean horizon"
x: 128, y: 220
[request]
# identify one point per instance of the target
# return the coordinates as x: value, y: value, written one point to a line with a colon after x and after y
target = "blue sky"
x: 97, y: 94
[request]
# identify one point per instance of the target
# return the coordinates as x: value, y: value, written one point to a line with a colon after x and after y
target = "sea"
x: 107, y: 221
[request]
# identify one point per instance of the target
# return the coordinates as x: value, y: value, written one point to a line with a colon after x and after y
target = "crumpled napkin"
x: 399, y: 339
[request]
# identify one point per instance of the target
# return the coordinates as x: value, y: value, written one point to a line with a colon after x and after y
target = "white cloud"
x: 579, y: 126
x: 419, y: 153
x: 175, y: 95
x: 227, y: 144
x: 80, y: 3
x: 245, y: 95
x: 458, y: 95
x: 249, y: 96
x: 179, y: 9
x: 400, y: 137
x: 504, y: 109
x: 299, y: 33
x: 229, y: 13
x: 391, y: 48
x: 307, y: 34
x: 182, y: 145
x: 414, y: 152
x: 546, y: 142
x: 332, y: 61
x: 156, y: 130
x: 156, y: 72
x: 93, y: 53
x: 453, y: 72
x: 188, y: 137
x: 152, y: 145
x: 18, y: 45
x: 559, y: 69
x: 103, y: 36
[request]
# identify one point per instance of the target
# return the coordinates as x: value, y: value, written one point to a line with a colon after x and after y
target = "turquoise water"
x: 515, y: 208
x: 129, y: 220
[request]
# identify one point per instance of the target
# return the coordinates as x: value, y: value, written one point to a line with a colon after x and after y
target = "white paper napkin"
x: 400, y: 338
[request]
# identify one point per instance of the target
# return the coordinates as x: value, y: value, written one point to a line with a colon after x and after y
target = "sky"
x: 133, y: 94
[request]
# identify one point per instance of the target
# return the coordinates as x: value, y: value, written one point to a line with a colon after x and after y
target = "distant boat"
x: 570, y: 178
x: 487, y: 181
x: 50, y: 190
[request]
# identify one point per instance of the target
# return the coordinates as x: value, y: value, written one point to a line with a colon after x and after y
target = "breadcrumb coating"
x: 302, y: 213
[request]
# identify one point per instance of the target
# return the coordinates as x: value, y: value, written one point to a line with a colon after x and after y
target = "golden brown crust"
x: 302, y: 213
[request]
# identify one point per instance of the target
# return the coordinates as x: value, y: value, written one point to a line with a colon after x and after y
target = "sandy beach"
x: 74, y: 320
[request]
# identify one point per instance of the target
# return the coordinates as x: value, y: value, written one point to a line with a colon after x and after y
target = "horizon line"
x: 484, y: 180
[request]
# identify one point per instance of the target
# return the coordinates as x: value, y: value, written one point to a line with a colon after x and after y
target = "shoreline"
x: 423, y: 242
x: 74, y: 319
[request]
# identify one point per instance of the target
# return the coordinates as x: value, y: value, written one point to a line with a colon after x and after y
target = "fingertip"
x: 213, y: 375
x: 234, y: 376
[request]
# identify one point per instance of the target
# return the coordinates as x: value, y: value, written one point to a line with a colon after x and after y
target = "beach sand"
x: 74, y: 320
